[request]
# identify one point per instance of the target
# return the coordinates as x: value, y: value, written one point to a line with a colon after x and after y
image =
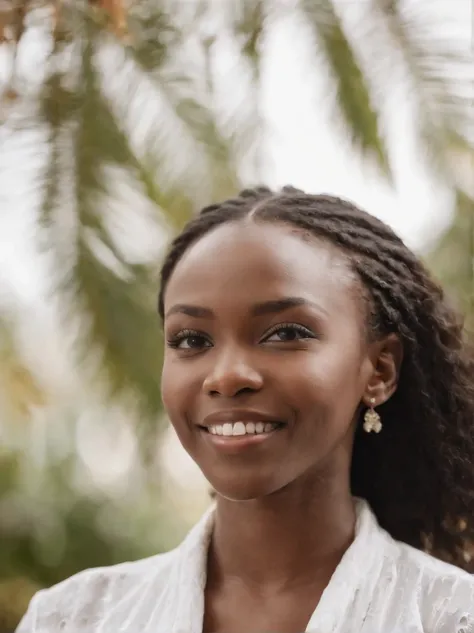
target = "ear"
x: 386, y: 357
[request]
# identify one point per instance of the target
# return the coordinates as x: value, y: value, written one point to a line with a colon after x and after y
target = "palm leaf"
x: 123, y: 325
x: 249, y: 30
x: 438, y: 75
x: 191, y: 152
x: 203, y: 165
x: 244, y: 121
x: 123, y: 322
x: 452, y: 259
x: 152, y: 34
x: 175, y: 205
x: 353, y: 92
x: 57, y: 108
x: 116, y: 303
x: 20, y: 389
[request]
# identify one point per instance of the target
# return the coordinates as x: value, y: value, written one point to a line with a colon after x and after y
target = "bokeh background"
x: 119, y: 119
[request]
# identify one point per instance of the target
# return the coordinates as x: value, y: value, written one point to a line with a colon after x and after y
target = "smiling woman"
x: 315, y: 374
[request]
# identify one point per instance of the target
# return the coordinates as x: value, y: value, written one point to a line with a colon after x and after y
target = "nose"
x: 231, y: 375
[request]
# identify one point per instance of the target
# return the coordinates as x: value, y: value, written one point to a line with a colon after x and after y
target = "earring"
x: 372, y: 421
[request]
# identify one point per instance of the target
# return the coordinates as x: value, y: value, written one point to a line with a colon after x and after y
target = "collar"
x: 349, y: 589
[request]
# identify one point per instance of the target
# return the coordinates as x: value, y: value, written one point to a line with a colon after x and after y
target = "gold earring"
x: 372, y: 421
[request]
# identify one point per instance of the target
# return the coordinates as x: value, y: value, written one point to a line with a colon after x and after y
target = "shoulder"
x: 445, y: 593
x: 84, y: 599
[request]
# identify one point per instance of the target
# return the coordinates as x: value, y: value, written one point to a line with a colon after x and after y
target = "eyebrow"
x: 259, y: 309
x: 193, y: 311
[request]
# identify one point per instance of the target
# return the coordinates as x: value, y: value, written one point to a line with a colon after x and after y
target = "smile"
x: 232, y: 438
x: 239, y: 429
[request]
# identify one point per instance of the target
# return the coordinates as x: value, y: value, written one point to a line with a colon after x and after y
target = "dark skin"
x: 285, y: 514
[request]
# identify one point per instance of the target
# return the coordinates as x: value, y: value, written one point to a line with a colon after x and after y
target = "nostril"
x: 231, y: 393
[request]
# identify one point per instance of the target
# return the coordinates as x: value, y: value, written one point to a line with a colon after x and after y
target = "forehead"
x: 247, y: 262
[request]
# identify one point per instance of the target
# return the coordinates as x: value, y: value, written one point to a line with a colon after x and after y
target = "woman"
x: 317, y: 377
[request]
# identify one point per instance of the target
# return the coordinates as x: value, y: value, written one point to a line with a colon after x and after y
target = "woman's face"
x: 264, y: 329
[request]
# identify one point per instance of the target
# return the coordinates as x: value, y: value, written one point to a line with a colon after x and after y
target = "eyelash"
x: 306, y: 333
x: 177, y: 339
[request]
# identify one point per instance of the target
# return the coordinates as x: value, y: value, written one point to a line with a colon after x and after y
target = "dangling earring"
x: 372, y: 421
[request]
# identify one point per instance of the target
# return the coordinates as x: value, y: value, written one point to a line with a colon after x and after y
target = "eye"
x: 287, y: 333
x: 188, y: 340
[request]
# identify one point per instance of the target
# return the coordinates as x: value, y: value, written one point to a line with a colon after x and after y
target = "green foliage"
x: 439, y: 75
x: 56, y: 520
x: 20, y: 388
x: 353, y: 92
x: 452, y: 259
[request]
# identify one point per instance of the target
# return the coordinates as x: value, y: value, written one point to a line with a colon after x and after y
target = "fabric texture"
x: 379, y: 585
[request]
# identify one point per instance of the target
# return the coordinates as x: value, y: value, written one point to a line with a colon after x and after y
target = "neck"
x: 284, y: 539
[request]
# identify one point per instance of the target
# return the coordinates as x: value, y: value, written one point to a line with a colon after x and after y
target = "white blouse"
x: 380, y: 586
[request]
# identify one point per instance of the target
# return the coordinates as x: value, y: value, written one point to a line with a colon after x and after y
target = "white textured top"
x: 380, y: 586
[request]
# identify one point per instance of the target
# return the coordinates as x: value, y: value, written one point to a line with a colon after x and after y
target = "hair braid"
x: 418, y: 475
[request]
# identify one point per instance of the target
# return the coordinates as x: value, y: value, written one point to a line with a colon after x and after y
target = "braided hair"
x: 418, y: 475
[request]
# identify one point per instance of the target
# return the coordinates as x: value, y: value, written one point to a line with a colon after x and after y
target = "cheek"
x: 179, y: 387
x: 174, y: 403
x: 166, y: 384
x: 171, y: 388
x: 329, y: 381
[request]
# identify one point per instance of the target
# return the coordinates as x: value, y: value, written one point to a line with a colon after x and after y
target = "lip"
x: 238, y: 415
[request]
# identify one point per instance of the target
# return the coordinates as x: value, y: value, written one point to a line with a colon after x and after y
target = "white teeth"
x: 227, y: 429
x: 240, y: 428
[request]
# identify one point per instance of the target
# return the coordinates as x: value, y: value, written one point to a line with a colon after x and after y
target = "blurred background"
x: 119, y: 119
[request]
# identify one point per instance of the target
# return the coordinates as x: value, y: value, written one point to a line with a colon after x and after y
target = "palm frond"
x: 353, y: 94
x: 243, y: 118
x: 186, y: 143
x: 175, y: 205
x: 122, y: 317
x: 20, y: 389
x: 452, y: 259
x: 249, y: 30
x: 112, y: 301
x: 180, y: 125
x: 57, y: 107
x: 123, y: 326
x: 152, y: 34
x: 439, y: 75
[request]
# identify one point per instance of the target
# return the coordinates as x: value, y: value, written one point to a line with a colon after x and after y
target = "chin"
x: 242, y: 489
